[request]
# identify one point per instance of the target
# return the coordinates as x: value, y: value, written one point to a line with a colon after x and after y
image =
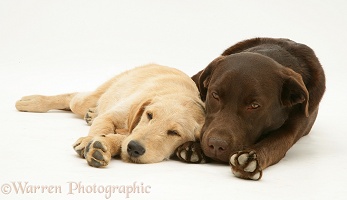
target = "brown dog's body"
x: 261, y: 97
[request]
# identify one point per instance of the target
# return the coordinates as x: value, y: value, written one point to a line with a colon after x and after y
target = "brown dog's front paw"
x: 96, y: 153
x: 244, y: 164
x: 191, y: 152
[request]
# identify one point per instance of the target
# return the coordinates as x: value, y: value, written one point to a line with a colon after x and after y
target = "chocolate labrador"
x: 261, y: 97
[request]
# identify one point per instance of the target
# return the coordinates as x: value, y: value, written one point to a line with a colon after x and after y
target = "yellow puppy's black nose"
x: 135, y: 149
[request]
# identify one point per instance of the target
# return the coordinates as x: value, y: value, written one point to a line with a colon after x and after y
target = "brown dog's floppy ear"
x: 202, y: 79
x: 135, y: 114
x: 294, y: 91
x: 196, y: 78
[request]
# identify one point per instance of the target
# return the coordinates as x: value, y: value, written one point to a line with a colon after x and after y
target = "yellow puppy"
x: 143, y: 114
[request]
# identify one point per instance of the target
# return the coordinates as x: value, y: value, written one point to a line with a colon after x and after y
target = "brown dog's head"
x: 246, y: 95
x: 159, y: 125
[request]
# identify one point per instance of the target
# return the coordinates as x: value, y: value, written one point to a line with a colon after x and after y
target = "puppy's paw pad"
x: 96, y: 153
x: 191, y: 152
x: 244, y: 164
x: 90, y: 116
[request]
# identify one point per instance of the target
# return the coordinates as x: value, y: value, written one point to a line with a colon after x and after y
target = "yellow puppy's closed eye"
x: 149, y: 115
x: 173, y: 132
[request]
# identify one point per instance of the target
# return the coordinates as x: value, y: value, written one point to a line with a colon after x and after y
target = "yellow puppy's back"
x: 145, y: 82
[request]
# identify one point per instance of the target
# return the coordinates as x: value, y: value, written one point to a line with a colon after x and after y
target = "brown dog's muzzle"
x: 217, y: 144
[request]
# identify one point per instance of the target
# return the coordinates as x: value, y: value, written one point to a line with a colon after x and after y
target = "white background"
x: 51, y: 47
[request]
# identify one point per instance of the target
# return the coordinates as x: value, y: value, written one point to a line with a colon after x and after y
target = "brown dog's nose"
x: 217, y: 146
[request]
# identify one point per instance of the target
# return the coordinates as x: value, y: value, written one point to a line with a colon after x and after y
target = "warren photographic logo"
x: 75, y: 188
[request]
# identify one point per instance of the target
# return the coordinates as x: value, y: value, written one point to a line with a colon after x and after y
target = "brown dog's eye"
x: 149, y: 116
x: 255, y: 105
x: 215, y: 95
x: 173, y: 132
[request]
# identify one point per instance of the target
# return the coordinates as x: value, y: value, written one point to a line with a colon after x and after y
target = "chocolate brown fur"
x: 261, y: 97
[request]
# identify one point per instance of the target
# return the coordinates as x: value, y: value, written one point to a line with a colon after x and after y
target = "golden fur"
x: 157, y: 107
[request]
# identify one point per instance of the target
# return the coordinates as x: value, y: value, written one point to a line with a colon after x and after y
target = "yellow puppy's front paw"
x: 80, y: 145
x: 96, y: 152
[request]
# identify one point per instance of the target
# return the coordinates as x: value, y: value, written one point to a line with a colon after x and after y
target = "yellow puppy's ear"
x: 135, y: 113
x: 200, y: 119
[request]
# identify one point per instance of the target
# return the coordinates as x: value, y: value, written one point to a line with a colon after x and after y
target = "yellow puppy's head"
x: 158, y: 126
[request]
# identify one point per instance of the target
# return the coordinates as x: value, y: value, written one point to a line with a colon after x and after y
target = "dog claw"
x: 244, y: 164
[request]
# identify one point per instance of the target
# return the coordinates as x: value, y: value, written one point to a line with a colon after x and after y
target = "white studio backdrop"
x: 51, y: 47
